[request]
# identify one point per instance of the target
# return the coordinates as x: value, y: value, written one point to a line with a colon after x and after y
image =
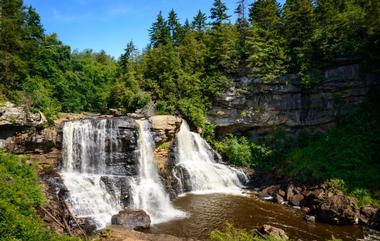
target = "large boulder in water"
x: 132, y: 219
x: 164, y: 127
x: 338, y: 209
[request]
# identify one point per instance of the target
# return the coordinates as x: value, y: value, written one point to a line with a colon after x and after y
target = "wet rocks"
x: 370, y: 216
x: 132, y: 219
x: 338, y: 209
x: 273, y: 231
x: 321, y: 203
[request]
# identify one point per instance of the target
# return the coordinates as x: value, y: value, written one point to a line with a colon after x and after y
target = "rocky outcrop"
x: 164, y: 127
x: 338, y: 209
x: 256, y: 107
x: 132, y: 219
x: 322, y: 203
x: 11, y: 114
x: 19, y: 128
x: 370, y: 216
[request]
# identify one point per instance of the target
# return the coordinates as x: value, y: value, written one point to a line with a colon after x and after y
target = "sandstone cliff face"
x: 254, y: 107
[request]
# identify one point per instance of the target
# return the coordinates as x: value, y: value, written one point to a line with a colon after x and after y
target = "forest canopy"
x: 187, y: 62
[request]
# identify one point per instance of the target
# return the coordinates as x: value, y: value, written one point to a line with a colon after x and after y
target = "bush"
x: 236, y: 150
x: 233, y: 234
x: 20, y: 195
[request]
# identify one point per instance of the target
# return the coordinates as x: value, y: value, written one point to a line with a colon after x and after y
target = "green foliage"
x: 236, y: 150
x: 347, y: 153
x: 230, y: 233
x: 20, y: 195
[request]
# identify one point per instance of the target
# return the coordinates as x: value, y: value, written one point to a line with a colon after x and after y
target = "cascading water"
x: 103, y: 157
x: 196, y: 168
x: 84, y: 158
x: 148, y: 191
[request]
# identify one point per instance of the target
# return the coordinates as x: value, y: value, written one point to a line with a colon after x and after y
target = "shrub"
x: 233, y: 234
x: 20, y: 195
x: 236, y: 150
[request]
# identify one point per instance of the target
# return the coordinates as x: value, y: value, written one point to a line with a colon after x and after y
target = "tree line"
x: 187, y: 63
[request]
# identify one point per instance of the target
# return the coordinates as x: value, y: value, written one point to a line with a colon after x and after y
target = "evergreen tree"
x: 199, y: 22
x: 242, y: 26
x: 298, y: 30
x: 174, y: 27
x: 266, y: 55
x: 12, y: 64
x: 130, y: 54
x: 159, y: 32
x: 219, y: 13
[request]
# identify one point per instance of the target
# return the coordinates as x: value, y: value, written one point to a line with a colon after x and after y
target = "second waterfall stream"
x: 106, y: 160
x: 148, y: 191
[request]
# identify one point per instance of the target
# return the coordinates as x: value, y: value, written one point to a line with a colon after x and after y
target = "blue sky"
x: 111, y: 24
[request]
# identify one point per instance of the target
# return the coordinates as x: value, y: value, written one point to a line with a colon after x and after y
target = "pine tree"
x: 12, y: 63
x: 199, y: 22
x: 242, y: 26
x: 219, y: 13
x: 174, y: 27
x: 129, y: 55
x: 266, y: 55
x: 159, y: 32
x: 298, y: 30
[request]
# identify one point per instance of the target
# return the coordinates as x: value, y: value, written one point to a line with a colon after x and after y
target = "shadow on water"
x: 212, y: 211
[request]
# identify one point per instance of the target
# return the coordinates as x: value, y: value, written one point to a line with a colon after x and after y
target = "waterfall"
x: 196, y: 168
x: 148, y: 191
x: 106, y: 160
x: 84, y: 165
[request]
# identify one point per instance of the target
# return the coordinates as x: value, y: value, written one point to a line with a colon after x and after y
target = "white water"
x: 85, y: 152
x: 83, y: 167
x: 148, y: 191
x: 197, y: 170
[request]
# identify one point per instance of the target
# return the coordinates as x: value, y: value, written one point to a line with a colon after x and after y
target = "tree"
x: 174, y: 27
x: 266, y: 55
x: 12, y: 64
x: 199, y: 22
x: 299, y: 26
x: 266, y: 14
x: 159, y: 32
x: 130, y: 54
x: 219, y: 13
x: 242, y: 26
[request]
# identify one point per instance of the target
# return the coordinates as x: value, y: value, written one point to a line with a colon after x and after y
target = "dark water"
x: 212, y: 211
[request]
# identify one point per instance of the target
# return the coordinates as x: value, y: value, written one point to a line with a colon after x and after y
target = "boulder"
x: 269, y: 191
x: 164, y: 127
x: 296, y: 200
x: 338, y: 209
x: 370, y: 216
x: 132, y: 219
x: 310, y: 219
x: 273, y: 231
x: 88, y: 225
x: 290, y: 192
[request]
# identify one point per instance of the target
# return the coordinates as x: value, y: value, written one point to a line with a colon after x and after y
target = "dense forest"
x: 187, y: 63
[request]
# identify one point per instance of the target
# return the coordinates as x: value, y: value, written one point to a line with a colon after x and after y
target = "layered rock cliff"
x: 254, y: 107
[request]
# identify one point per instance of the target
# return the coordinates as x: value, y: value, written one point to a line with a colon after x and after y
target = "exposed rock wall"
x: 254, y: 107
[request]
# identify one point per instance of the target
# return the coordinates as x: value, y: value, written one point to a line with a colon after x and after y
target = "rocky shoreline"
x: 319, y: 202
